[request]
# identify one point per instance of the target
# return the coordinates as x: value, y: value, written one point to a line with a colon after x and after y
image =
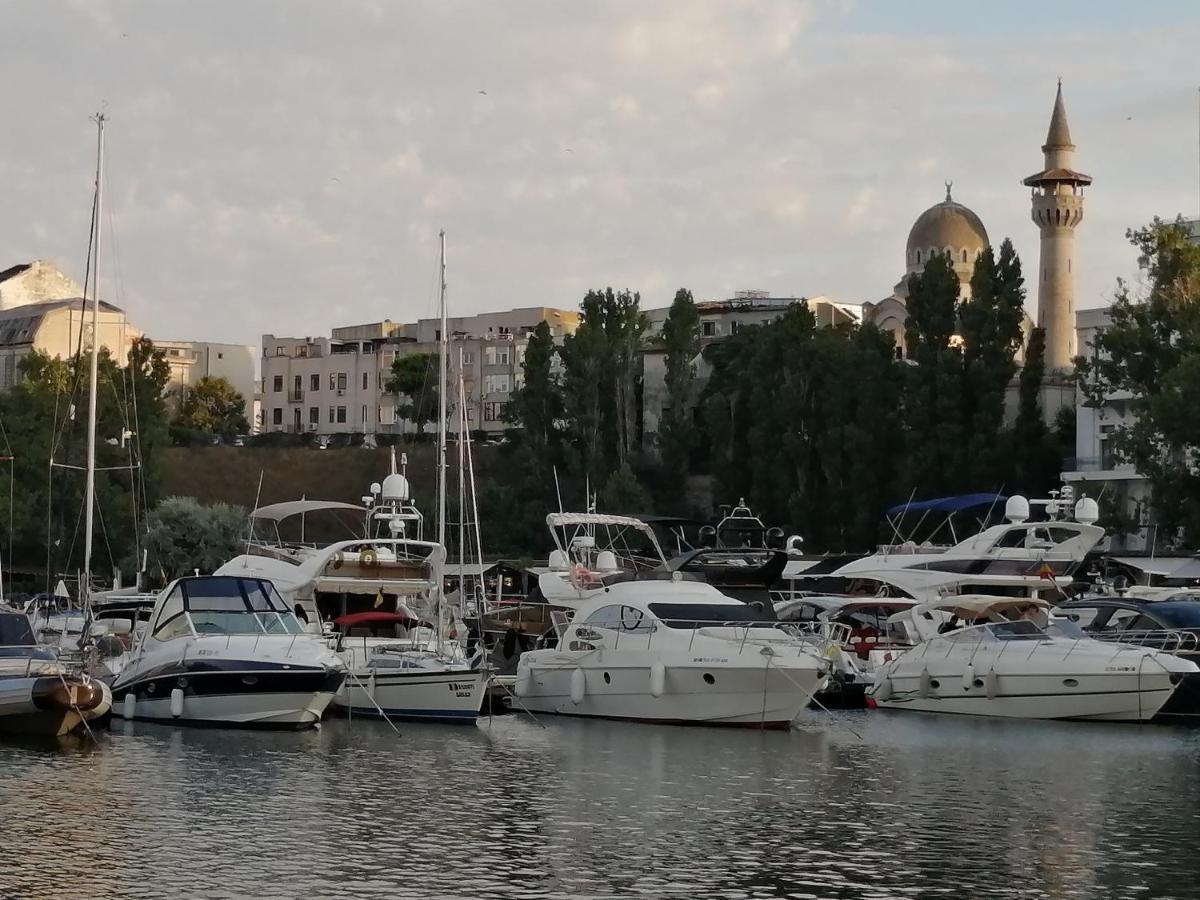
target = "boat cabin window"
x: 15, y: 631
x: 1083, y: 616
x: 606, y: 617
x: 224, y: 606
x: 687, y: 615
x: 1120, y: 619
x: 1020, y: 630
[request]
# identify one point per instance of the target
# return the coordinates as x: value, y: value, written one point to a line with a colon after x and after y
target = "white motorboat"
x: 223, y: 650
x: 673, y: 651
x: 1002, y: 656
x: 38, y: 695
x: 398, y: 671
x: 1017, y: 555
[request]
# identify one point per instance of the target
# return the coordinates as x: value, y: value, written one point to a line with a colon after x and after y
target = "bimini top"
x: 277, y: 512
x: 563, y: 520
x: 972, y: 606
x: 947, y: 504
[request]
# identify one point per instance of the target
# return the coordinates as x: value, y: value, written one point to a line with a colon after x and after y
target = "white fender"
x: 992, y: 680
x: 578, y: 686
x: 926, y: 686
x: 524, y: 681
x: 130, y: 706
x: 968, y: 677
x: 882, y: 690
x: 658, y: 679
x: 176, y: 702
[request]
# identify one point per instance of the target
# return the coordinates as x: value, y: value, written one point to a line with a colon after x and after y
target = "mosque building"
x: 953, y: 229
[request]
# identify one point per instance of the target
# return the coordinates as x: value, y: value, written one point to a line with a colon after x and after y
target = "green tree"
x: 184, y: 536
x: 214, y: 406
x: 1151, y: 351
x: 623, y: 494
x: 676, y: 428
x: 934, y: 397
x: 536, y: 407
x: 414, y: 378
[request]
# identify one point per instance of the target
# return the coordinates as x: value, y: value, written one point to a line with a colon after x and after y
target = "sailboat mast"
x: 443, y: 377
x: 90, y: 492
x: 462, y: 484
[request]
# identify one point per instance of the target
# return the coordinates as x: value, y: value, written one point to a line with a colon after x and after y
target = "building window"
x: 337, y: 381
x: 365, y: 382
x: 220, y: 356
x: 314, y: 415
x: 302, y: 350
x: 918, y: 257
x: 964, y: 256
x: 496, y: 384
x: 468, y: 359
x: 277, y: 415
x: 341, y: 415
x: 364, y: 414
x: 709, y: 329
x: 279, y: 351
x: 277, y: 384
x: 735, y: 327
x: 331, y: 415
x: 314, y: 382
x: 496, y: 356
x: 298, y: 383
x: 491, y: 412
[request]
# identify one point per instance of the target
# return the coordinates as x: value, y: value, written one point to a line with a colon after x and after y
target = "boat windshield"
x: 15, y: 631
x: 222, y: 605
x: 686, y: 615
x: 1019, y: 630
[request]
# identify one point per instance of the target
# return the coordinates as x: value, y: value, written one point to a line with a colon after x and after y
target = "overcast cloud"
x: 286, y: 166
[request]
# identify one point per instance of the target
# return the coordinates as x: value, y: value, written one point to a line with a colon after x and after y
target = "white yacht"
x: 673, y: 651
x: 1002, y: 656
x: 1018, y: 555
x: 222, y: 650
x: 38, y: 695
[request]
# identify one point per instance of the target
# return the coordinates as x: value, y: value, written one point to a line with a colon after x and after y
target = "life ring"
x: 583, y: 578
x: 369, y: 557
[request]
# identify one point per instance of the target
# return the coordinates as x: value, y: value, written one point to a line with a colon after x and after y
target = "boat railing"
x: 650, y: 635
x: 11, y: 664
x: 1163, y: 641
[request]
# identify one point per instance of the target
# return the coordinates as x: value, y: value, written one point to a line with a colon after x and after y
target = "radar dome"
x: 1016, y: 510
x: 1087, y: 511
x: 395, y: 487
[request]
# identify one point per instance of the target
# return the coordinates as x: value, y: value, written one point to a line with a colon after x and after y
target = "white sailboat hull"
x: 415, y: 695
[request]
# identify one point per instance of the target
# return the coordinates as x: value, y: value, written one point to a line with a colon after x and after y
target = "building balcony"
x: 296, y: 396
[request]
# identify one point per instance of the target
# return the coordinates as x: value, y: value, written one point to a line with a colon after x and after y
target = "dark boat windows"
x: 620, y: 618
x: 15, y: 630
x: 685, y: 615
x: 224, y: 605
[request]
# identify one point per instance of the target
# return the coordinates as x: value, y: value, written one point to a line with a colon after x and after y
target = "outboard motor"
x: 708, y: 536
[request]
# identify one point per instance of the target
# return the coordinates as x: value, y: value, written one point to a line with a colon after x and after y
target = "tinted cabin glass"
x: 606, y: 617
x: 685, y: 615
x: 15, y: 631
x: 1184, y: 614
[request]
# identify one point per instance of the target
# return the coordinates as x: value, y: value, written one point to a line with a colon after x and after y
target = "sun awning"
x: 277, y: 512
x: 947, y: 504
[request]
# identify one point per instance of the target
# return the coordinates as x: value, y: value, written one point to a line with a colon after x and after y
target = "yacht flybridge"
x: 1002, y: 656
x: 224, y: 650
x: 1017, y: 556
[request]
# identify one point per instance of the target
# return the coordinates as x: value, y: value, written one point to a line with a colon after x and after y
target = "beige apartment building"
x: 192, y: 360
x: 338, y: 385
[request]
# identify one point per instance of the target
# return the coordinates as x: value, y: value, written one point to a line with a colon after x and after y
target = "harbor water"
x: 854, y: 805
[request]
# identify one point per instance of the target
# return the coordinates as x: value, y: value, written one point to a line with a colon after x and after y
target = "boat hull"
x: 755, y: 697
x: 41, y: 705
x: 251, y: 697
x: 414, y: 695
x: 1112, y: 697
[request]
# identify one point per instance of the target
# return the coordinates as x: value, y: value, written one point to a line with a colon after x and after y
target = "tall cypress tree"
x: 676, y: 429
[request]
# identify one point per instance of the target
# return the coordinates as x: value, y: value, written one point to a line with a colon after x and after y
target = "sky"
x: 285, y: 167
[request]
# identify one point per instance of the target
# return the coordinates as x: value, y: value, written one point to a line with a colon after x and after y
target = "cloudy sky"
x: 285, y: 167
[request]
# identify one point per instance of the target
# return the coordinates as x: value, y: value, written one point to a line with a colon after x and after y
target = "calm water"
x: 917, y: 806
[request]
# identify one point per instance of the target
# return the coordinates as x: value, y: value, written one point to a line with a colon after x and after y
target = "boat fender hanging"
x: 578, y: 686
x: 968, y: 677
x: 926, y: 685
x: 658, y: 679
x: 524, y: 680
x: 177, y: 702
x: 992, y: 680
x: 127, y: 711
x: 883, y: 690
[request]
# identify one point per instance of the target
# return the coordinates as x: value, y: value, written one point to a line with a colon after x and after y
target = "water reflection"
x: 851, y: 805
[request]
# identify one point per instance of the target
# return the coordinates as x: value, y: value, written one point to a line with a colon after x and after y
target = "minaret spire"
x: 1057, y: 209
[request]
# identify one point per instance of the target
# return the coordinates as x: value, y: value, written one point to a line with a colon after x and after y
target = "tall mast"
x: 443, y: 377
x: 462, y: 483
x: 89, y: 518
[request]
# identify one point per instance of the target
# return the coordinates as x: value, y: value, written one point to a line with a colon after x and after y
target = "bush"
x: 183, y: 535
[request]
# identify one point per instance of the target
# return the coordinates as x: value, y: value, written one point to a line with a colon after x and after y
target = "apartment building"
x: 192, y: 360
x: 338, y: 385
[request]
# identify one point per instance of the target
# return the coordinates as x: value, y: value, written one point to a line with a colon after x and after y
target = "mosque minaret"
x: 1057, y: 210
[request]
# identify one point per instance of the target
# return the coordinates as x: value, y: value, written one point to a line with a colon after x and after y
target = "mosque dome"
x: 947, y: 227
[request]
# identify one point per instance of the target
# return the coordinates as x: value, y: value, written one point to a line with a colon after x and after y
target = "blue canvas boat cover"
x: 947, y: 504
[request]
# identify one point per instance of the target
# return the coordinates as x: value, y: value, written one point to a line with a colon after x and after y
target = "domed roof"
x: 948, y: 224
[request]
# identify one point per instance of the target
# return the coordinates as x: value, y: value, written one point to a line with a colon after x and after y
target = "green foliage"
x: 183, y: 536
x: 623, y: 494
x: 803, y: 422
x: 45, y: 417
x: 676, y: 429
x: 1151, y: 350
x: 414, y: 377
x: 213, y: 406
